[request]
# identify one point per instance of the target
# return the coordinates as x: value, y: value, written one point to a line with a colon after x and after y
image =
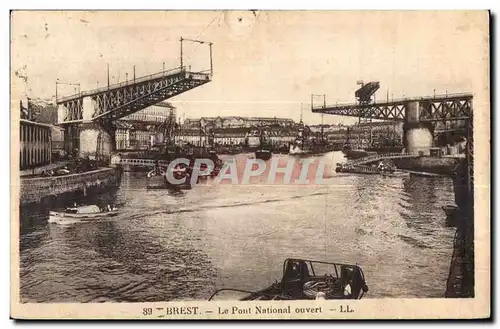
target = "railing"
x: 145, y: 78
x: 47, y: 182
x: 398, y: 100
x: 139, y: 162
x: 372, y: 158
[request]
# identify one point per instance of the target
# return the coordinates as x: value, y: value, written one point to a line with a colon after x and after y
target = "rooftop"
x: 240, y: 118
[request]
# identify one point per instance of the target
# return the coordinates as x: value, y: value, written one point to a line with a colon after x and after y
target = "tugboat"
x: 301, y: 280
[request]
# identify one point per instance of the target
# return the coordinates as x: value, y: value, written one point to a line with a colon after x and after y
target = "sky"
x: 265, y: 63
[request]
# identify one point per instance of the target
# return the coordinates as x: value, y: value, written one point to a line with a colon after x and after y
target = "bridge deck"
x: 449, y: 107
x: 129, y: 83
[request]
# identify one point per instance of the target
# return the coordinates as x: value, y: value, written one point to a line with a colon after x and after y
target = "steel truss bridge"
x: 107, y: 104
x: 116, y: 101
x: 451, y: 107
x: 432, y: 109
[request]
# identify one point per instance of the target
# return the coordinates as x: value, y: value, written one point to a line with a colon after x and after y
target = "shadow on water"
x: 425, y: 198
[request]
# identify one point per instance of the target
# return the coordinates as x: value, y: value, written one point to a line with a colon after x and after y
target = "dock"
x: 33, y: 190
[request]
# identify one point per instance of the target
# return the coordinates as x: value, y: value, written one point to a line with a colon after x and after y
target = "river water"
x: 184, y: 245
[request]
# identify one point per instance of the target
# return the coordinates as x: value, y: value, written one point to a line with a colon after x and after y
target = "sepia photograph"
x: 250, y: 164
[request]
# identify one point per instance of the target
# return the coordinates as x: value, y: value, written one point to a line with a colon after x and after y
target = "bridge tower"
x: 364, y: 97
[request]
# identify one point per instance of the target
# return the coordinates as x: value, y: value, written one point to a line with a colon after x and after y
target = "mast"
x: 301, y: 112
x: 201, y: 131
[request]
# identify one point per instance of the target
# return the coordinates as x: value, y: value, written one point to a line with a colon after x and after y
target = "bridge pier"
x: 95, y: 140
x: 417, y: 136
x: 71, y: 138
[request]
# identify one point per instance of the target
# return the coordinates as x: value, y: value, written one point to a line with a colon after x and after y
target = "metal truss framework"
x: 117, y: 101
x: 432, y: 109
x: 73, y: 110
x: 439, y: 108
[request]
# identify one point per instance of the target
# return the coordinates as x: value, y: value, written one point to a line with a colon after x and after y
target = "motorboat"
x: 81, y: 213
x: 307, y: 280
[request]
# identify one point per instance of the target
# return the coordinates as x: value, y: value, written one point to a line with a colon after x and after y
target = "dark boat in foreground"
x: 307, y: 279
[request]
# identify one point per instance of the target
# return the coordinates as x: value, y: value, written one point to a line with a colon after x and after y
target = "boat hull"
x: 263, y: 155
x: 296, y: 150
x: 61, y: 217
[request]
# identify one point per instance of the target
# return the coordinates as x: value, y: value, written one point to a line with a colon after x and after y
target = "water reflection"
x: 181, y: 245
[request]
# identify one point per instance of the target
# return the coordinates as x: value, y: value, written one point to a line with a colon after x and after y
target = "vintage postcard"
x: 250, y: 164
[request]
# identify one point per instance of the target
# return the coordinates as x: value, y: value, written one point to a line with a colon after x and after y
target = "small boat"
x: 161, y: 180
x: 302, y: 146
x: 302, y: 280
x: 263, y: 154
x: 73, y: 214
x: 296, y: 149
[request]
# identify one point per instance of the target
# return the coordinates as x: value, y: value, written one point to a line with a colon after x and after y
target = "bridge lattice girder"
x: 118, y: 101
x: 437, y: 108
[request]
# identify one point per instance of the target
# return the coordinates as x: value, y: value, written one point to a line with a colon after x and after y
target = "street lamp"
x: 75, y: 85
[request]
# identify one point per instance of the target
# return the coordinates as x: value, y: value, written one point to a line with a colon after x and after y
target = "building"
x: 230, y: 136
x: 233, y: 130
x: 139, y: 130
x: 193, y: 137
x: 35, y: 144
x: 41, y: 139
x: 157, y: 113
x: 276, y: 135
x: 374, y: 134
x: 235, y: 122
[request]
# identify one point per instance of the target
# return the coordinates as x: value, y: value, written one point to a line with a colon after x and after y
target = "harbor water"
x: 166, y: 245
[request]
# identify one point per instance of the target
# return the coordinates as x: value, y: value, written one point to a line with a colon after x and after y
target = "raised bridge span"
x: 90, y: 116
x: 110, y: 103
